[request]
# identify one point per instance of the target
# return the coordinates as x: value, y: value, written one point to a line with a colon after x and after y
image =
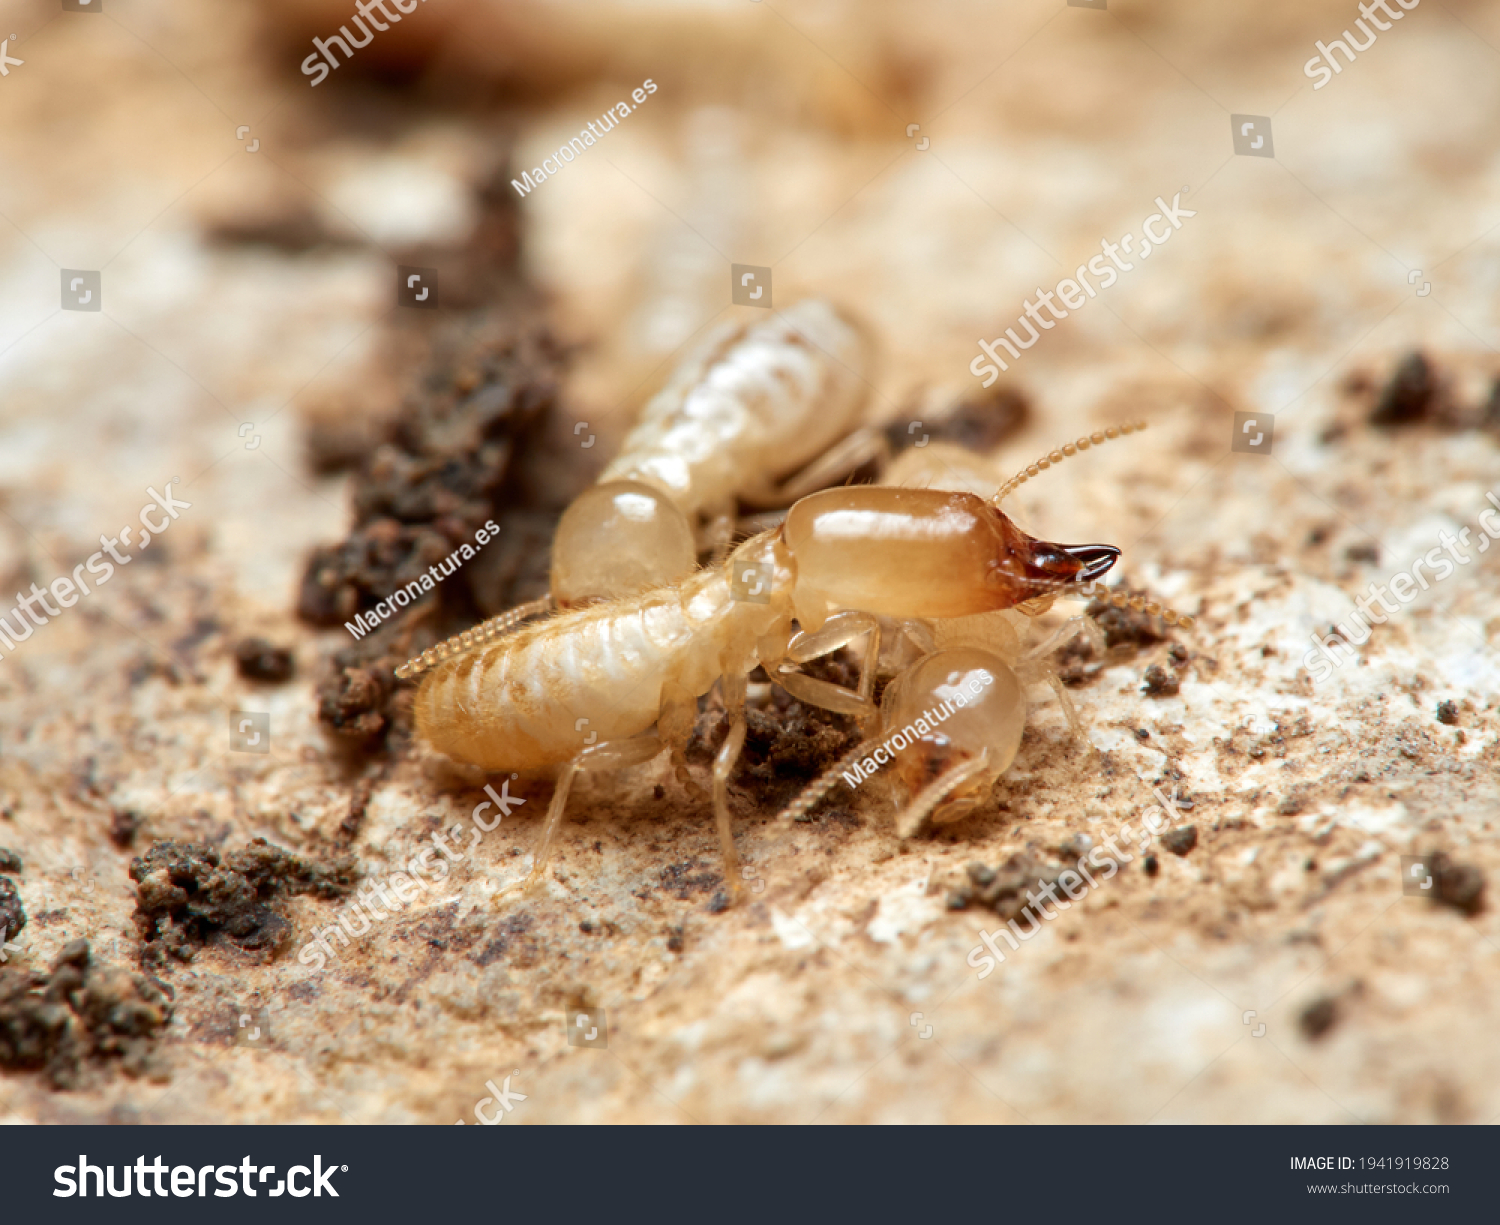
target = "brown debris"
x: 1180, y: 840
x: 1319, y: 1017
x: 979, y: 422
x: 12, y: 913
x: 188, y: 896
x: 443, y: 469
x: 124, y: 824
x: 10, y: 861
x: 1004, y: 889
x: 259, y: 660
x: 79, y: 1013
x: 1412, y: 392
x: 1457, y: 884
x: 352, y: 702
x: 1159, y: 683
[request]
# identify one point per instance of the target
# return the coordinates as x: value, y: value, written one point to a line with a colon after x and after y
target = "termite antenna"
x: 481, y: 635
x: 1098, y: 438
x: 1097, y: 591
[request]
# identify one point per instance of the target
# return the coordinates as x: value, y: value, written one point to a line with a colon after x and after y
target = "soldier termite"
x: 750, y: 405
x: 949, y: 767
x: 843, y: 560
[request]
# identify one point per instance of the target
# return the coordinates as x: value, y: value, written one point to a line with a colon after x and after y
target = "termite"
x: 758, y: 413
x: 582, y: 690
x: 946, y: 737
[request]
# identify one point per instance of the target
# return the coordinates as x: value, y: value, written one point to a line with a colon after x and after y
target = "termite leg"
x: 1066, y: 632
x: 679, y: 714
x: 732, y: 688
x: 1032, y: 665
x: 609, y: 755
x: 838, y: 631
x: 1070, y: 712
x: 841, y: 460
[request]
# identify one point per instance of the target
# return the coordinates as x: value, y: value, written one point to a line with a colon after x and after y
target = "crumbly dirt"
x: 188, y: 896
x: 259, y: 289
x: 80, y: 1019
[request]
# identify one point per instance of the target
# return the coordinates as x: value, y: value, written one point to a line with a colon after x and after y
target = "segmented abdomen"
x: 544, y: 693
x: 757, y: 401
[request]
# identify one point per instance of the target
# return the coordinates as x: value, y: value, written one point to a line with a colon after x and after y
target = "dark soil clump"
x: 81, y: 1013
x: 188, y: 896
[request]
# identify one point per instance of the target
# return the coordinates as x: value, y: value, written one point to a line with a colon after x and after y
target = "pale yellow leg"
x: 608, y: 755
x: 838, y: 631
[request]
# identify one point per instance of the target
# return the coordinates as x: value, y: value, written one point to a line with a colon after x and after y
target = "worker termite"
x: 760, y: 413
x: 582, y: 690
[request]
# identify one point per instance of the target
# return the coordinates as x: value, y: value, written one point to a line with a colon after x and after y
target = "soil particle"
x: 1151, y: 865
x: 1003, y: 889
x: 124, y: 824
x: 1123, y: 628
x: 1458, y: 885
x: 979, y: 422
x: 81, y: 1012
x: 787, y: 744
x: 1159, y: 683
x: 12, y: 914
x: 1180, y: 840
x: 1367, y: 553
x: 1319, y: 1017
x: 188, y: 896
x: 1447, y: 712
x: 10, y: 861
x: 682, y: 880
x: 437, y: 477
x: 353, y: 702
x: 258, y: 660
x: 1410, y: 395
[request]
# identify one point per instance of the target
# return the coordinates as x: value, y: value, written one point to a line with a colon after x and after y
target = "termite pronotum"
x: 760, y: 413
x: 583, y: 689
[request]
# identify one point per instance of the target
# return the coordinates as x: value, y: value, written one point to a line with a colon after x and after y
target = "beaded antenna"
x: 469, y: 640
x: 1096, y: 439
x: 1132, y: 603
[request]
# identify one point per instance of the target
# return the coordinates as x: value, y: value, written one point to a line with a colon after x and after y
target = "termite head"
x: 618, y: 538
x: 924, y: 553
x: 951, y: 710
